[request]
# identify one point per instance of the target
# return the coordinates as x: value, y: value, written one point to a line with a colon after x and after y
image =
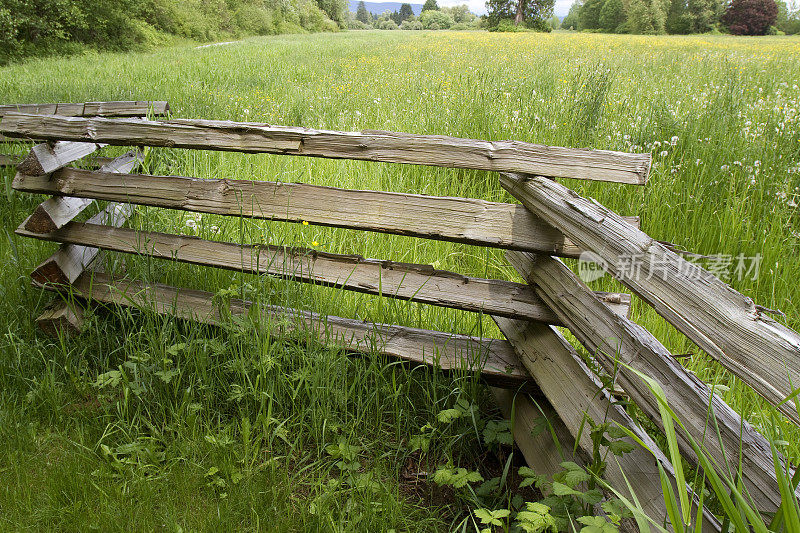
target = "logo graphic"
x: 591, y: 267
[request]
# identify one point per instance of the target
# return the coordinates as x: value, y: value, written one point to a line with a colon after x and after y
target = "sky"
x: 479, y: 6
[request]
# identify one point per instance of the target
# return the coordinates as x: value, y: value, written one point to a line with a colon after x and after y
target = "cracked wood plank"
x: 575, y: 393
x: 463, y: 220
x: 54, y: 212
x: 47, y: 157
x: 613, y: 338
x: 419, y: 283
x: 728, y: 326
x: 72, y: 259
x: 493, y: 358
x: 385, y: 146
x: 120, y: 108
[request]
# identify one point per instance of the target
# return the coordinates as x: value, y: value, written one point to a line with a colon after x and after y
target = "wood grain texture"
x: 61, y: 317
x: 575, y: 393
x: 493, y: 358
x: 431, y: 150
x: 463, y: 220
x: 728, y: 326
x: 71, y: 260
x: 45, y: 158
x: 54, y: 212
x: 89, y: 109
x: 8, y: 160
x: 419, y: 283
x: 542, y: 453
x: 612, y: 339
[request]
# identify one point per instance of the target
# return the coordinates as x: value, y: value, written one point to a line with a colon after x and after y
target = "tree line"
x: 39, y: 27
x: 739, y: 17
x: 432, y: 17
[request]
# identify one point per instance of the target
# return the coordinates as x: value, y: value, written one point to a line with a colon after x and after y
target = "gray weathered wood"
x: 54, y: 212
x: 71, y: 260
x: 542, y: 453
x: 419, y: 283
x: 432, y: 150
x: 89, y: 109
x: 45, y: 158
x: 764, y: 353
x: 463, y: 220
x: 61, y: 317
x: 575, y: 393
x: 8, y: 160
x: 494, y: 358
x: 613, y: 338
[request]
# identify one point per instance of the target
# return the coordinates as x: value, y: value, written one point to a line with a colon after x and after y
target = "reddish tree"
x: 750, y: 17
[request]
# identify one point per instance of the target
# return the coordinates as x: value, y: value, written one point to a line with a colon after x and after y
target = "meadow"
x: 147, y: 423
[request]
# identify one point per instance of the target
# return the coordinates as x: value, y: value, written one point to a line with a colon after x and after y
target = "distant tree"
x: 430, y: 5
x: 555, y: 22
x: 570, y: 22
x: 533, y: 10
x: 380, y: 20
x: 704, y: 15
x: 750, y: 17
x: 361, y: 13
x: 433, y: 19
x: 589, y: 15
x: 679, y: 21
x: 612, y: 15
x: 406, y: 12
x: 532, y: 14
x: 788, y: 22
x: 461, y: 14
x: 647, y: 16
x: 335, y: 9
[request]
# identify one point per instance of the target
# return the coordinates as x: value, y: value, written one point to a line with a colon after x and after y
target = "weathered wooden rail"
x: 551, y: 222
x: 391, y: 147
x: 119, y: 108
x: 129, y: 109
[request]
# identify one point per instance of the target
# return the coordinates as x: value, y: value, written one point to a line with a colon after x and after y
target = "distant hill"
x: 380, y: 7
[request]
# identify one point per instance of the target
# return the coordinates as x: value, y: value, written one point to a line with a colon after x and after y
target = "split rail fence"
x: 534, y: 371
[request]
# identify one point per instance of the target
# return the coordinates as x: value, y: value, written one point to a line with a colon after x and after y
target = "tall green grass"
x: 719, y: 114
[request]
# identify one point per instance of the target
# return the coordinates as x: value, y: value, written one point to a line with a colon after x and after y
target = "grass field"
x: 150, y: 424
